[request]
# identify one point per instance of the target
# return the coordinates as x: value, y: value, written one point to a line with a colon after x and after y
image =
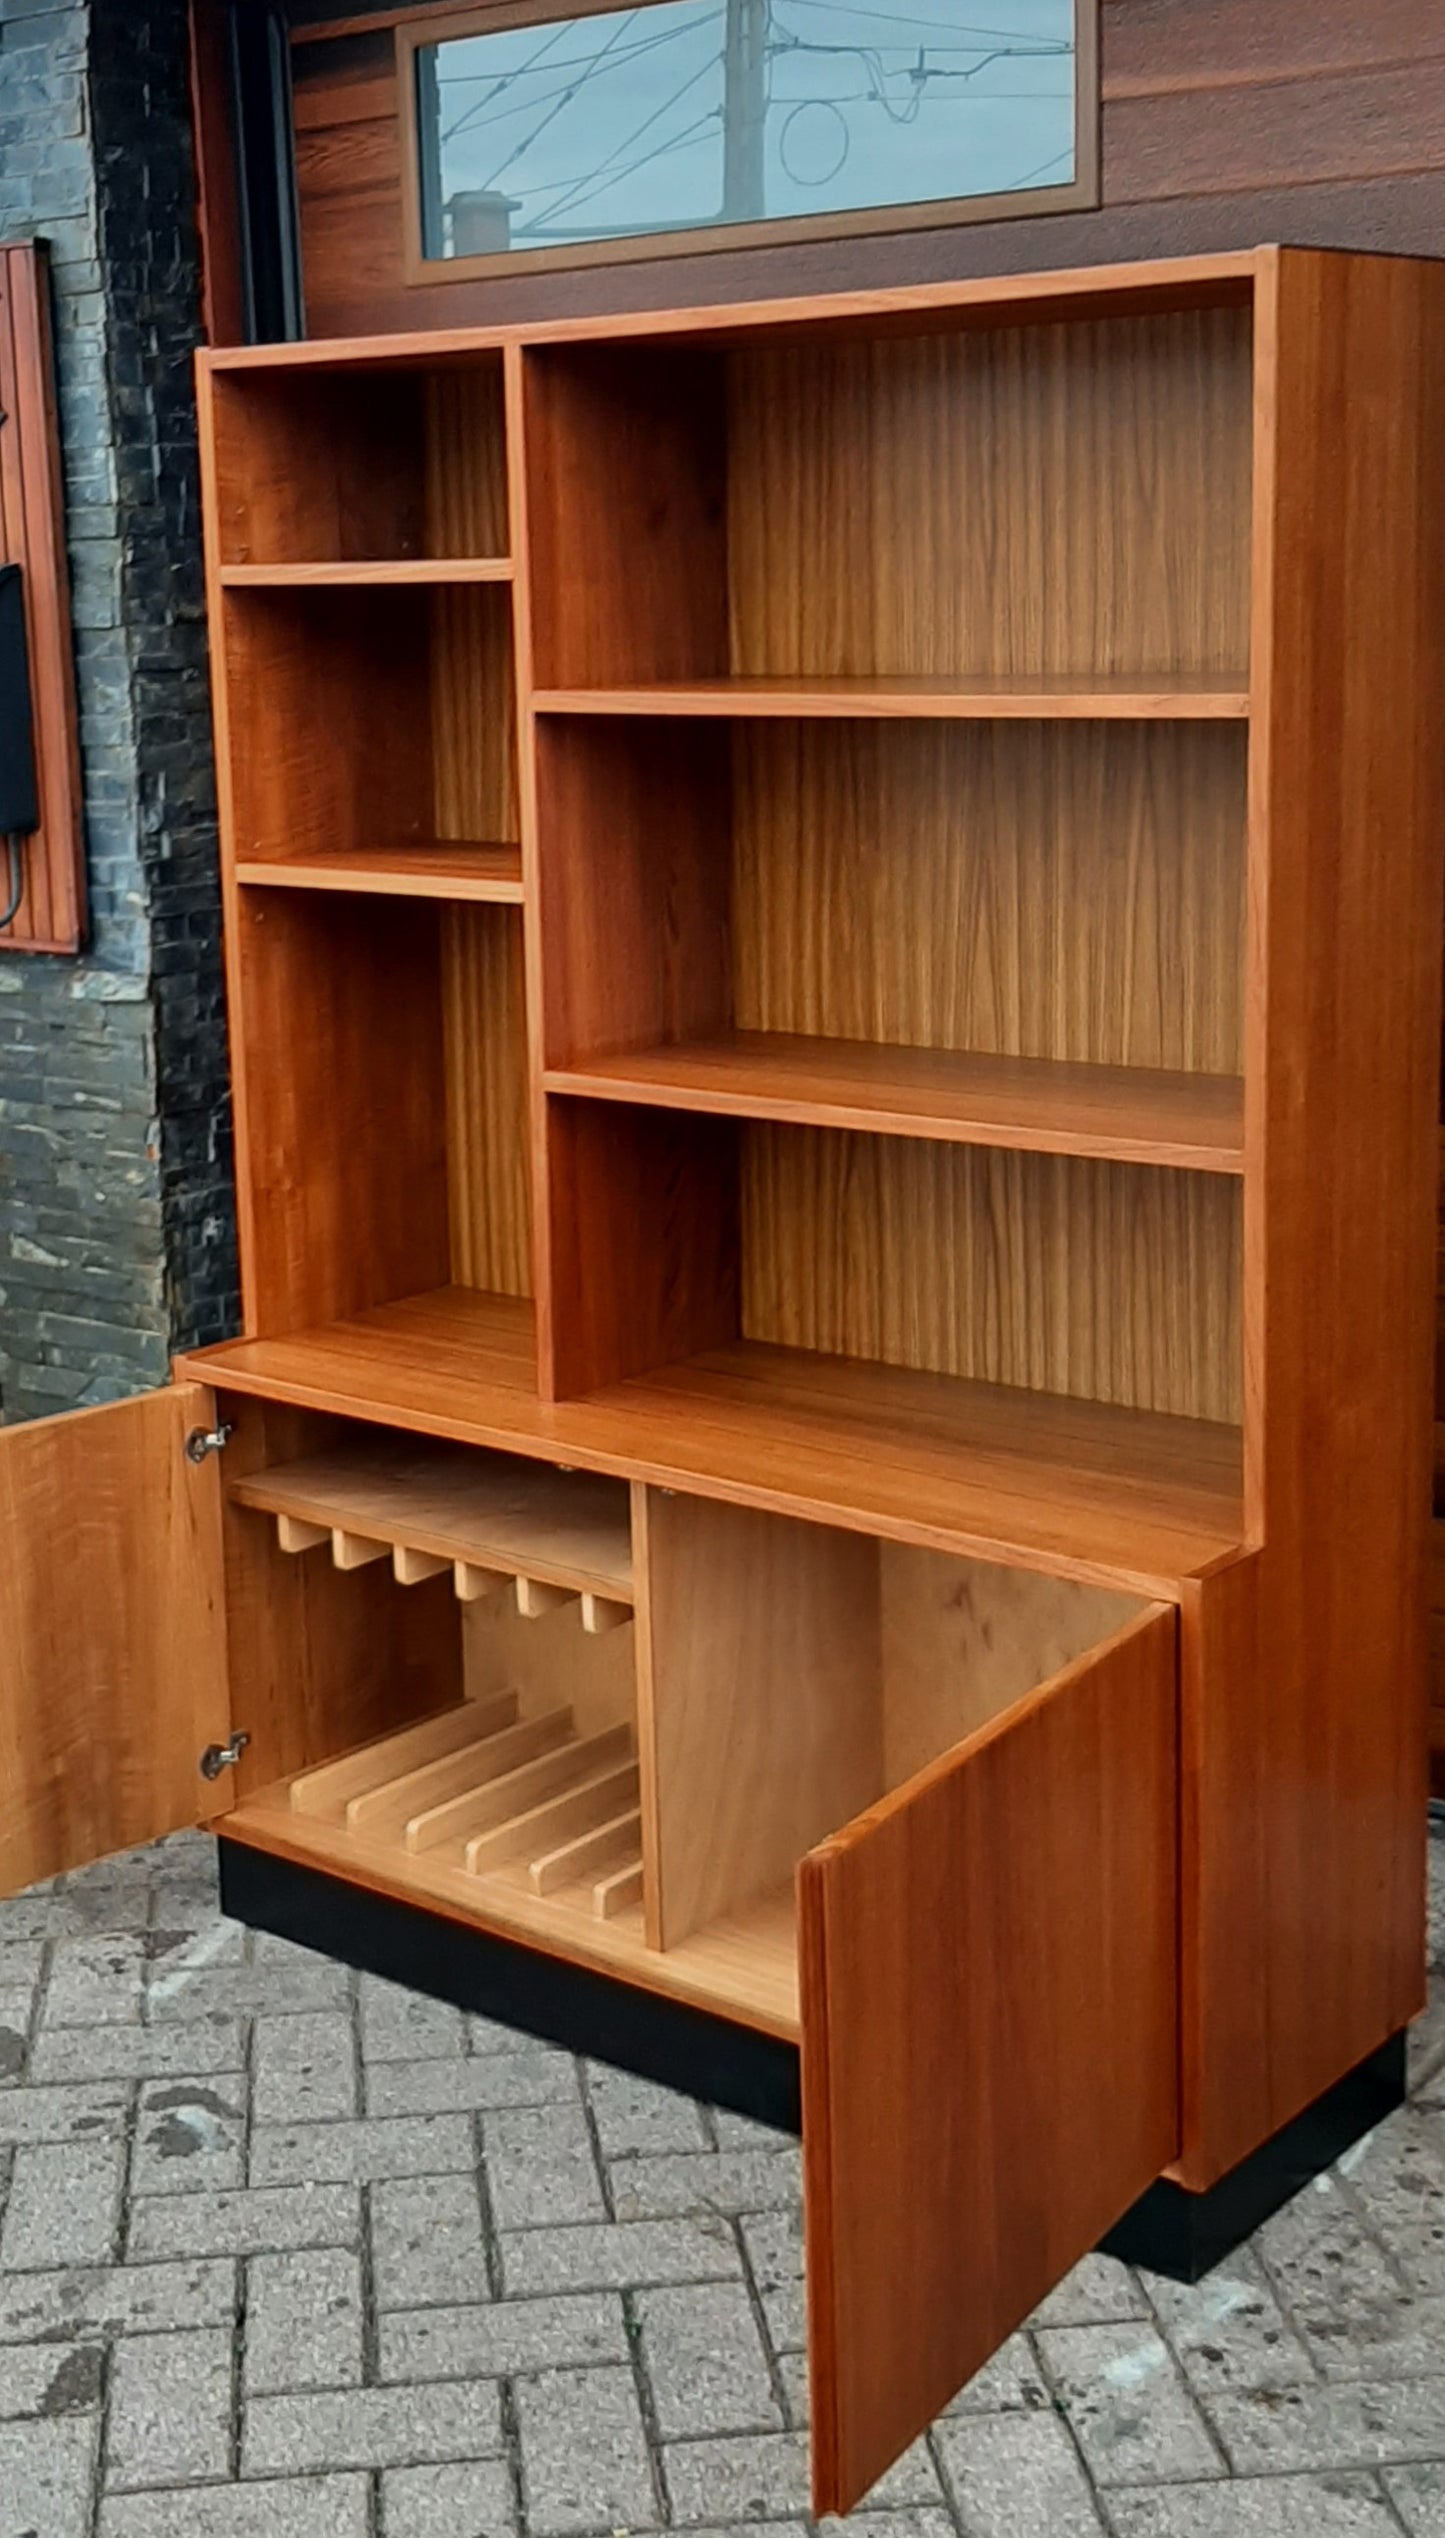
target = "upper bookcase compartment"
x: 362, y: 473
x: 1049, y: 515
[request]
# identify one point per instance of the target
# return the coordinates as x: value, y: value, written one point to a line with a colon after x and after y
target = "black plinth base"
x: 1168, y: 2230
x: 1184, y: 2235
x: 608, y: 2019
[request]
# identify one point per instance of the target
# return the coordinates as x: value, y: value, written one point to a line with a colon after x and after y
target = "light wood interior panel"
x: 488, y: 1150
x: 550, y: 1663
x: 963, y: 1639
x: 465, y: 461
x: 760, y: 1718
x: 1030, y: 890
x: 1053, y: 498
x: 473, y: 713
x: 1115, y: 1282
x: 321, y: 1658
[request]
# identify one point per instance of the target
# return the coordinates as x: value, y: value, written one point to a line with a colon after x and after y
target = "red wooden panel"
x: 51, y: 916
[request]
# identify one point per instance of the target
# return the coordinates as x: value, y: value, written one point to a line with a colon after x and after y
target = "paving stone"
x: 743, y: 2132
x: 53, y: 1914
x: 64, y: 2204
x: 1011, y: 2381
x: 370, y: 2428
x: 471, y: 2084
x: 388, y: 2146
x: 245, y: 2221
x: 584, y: 2457
x: 201, y: 1976
x: 1424, y: 2046
x: 303, y: 2068
x: 33, y: 2114
x: 45, y: 2478
x: 1392, y: 2335
x: 50, y: 2380
x: 1229, y: 2330
x: 106, y: 2300
x: 427, y: 2247
x: 190, y: 2136
x: 611, y: 2256
x: 473, y: 2501
x: 1398, y: 2175
x: 170, y: 2409
x: 1096, y: 2292
x: 505, y: 2337
x: 1016, y: 2476
x: 633, y: 2115
x: 402, y: 2026
x: 191, y: 2048
x: 1418, y: 2494
x: 724, y: 2181
x: 774, y: 2244
x: 705, y: 2362
x: 95, y: 1982
x: 282, y: 2507
x: 927, y: 2521
x: 1133, y: 2416
x: 1318, y: 2251
x: 758, y: 2476
x: 1348, y: 2424
x: 304, y: 2321
x: 540, y: 2167
x: 1263, y: 2507
x: 489, y: 2035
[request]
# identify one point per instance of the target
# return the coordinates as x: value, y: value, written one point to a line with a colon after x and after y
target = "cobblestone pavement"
x: 285, y: 2254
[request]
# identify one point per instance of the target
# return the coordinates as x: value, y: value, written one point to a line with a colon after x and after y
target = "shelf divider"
x: 385, y: 572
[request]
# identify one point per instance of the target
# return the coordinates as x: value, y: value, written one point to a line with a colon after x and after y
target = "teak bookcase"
x: 833, y: 918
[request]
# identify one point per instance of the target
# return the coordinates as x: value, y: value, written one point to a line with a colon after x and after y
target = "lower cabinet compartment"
x: 913, y: 1814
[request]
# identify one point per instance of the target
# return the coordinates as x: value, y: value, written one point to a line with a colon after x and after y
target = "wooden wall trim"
x: 51, y: 916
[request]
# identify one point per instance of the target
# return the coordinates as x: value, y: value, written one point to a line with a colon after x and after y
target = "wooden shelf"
x: 514, y: 1518
x: 1128, y: 1114
x: 1082, y: 1489
x: 441, y: 868
x: 402, y: 573
x: 1075, y: 698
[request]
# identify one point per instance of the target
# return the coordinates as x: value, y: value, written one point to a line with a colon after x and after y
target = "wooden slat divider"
x: 578, y: 1808
x: 387, y: 1810
x: 332, y: 1784
x: 617, y: 1841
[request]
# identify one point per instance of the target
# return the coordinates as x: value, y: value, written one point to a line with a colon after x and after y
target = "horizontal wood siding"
x: 1225, y: 123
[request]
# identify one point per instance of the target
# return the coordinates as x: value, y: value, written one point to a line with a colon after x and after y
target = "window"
x: 682, y: 124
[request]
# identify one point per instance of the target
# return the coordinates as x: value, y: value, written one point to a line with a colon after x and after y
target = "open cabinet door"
x: 112, y: 1632
x: 990, y: 2041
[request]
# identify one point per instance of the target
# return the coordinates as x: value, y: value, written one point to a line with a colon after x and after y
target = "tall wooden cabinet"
x: 833, y: 915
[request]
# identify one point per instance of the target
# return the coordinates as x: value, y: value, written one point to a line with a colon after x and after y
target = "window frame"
x: 492, y: 16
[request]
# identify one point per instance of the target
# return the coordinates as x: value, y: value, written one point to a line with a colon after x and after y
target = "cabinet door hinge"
x: 204, y: 1441
x: 219, y: 1758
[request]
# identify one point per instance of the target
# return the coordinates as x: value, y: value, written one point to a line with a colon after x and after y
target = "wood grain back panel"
x: 962, y: 1640
x: 1051, y: 498
x: 465, y: 460
x: 473, y: 715
x: 488, y: 1151
x: 318, y: 467
x: 1031, y: 890
x: 1113, y: 1282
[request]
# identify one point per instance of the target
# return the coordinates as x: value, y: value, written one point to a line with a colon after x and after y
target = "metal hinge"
x: 204, y: 1441
x: 219, y: 1758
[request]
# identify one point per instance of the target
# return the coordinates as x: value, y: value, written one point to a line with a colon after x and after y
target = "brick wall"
x: 116, y: 1209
